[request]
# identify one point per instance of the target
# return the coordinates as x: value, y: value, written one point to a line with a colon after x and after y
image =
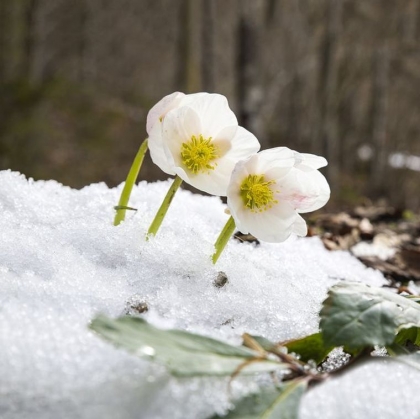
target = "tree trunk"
x: 190, y: 48
x: 207, y: 33
x: 379, y: 120
x: 329, y: 135
x: 249, y: 87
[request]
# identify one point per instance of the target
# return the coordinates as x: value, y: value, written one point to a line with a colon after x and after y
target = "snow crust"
x: 380, y: 388
x: 62, y: 262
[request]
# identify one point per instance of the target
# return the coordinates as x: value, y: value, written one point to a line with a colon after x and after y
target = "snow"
x: 62, y: 262
x: 380, y: 388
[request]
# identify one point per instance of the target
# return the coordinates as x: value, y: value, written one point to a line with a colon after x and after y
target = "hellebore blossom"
x: 197, y: 138
x: 267, y: 192
x: 201, y: 141
x: 154, y: 123
x: 154, y: 143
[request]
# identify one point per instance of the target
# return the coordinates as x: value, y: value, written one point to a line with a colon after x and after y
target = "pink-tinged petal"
x: 214, y: 113
x: 323, y: 194
x: 305, y: 191
x: 157, y: 151
x: 158, y: 111
x: 299, y: 227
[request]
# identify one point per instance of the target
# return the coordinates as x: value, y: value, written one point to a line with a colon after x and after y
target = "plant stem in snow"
x: 223, y: 238
x: 129, y: 183
x: 160, y: 215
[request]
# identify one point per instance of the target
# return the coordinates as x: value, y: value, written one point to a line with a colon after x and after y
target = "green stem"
x: 129, y: 183
x: 160, y: 215
x: 223, y: 238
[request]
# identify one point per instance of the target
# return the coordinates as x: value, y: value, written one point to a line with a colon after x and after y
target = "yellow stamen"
x: 198, y: 153
x: 256, y: 193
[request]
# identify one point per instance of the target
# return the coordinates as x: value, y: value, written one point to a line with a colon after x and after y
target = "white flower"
x: 154, y: 126
x: 268, y: 190
x: 202, y: 142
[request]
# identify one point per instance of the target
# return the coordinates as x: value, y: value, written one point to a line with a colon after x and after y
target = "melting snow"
x: 62, y: 262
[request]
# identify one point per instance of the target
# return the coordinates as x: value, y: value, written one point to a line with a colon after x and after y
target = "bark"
x: 208, y: 52
x: 379, y: 120
x: 249, y: 86
x: 190, y: 43
x: 329, y: 91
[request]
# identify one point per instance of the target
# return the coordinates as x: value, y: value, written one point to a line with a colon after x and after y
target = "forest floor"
x: 382, y: 237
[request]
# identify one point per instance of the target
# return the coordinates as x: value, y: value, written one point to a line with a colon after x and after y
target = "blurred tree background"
x: 340, y: 78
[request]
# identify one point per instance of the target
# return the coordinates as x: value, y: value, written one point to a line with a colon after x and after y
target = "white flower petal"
x: 273, y: 225
x: 190, y: 98
x: 243, y: 144
x: 157, y: 151
x: 276, y: 173
x: 310, y: 161
x: 223, y: 141
x: 214, y: 181
x: 214, y: 113
x: 278, y: 157
x: 158, y: 111
x: 299, y: 227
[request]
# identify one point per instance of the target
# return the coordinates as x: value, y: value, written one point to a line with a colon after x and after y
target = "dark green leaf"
x: 183, y: 353
x: 407, y: 336
x: 270, y: 403
x: 309, y: 347
x: 358, y: 316
x: 396, y: 349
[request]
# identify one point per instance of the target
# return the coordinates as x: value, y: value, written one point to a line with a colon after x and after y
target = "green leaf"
x: 309, y: 347
x: 266, y: 344
x: 357, y: 316
x: 123, y: 207
x: 270, y: 403
x: 405, y: 336
x: 183, y: 353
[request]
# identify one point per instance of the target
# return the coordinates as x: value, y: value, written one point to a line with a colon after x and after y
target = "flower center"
x: 198, y: 153
x: 257, y: 194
